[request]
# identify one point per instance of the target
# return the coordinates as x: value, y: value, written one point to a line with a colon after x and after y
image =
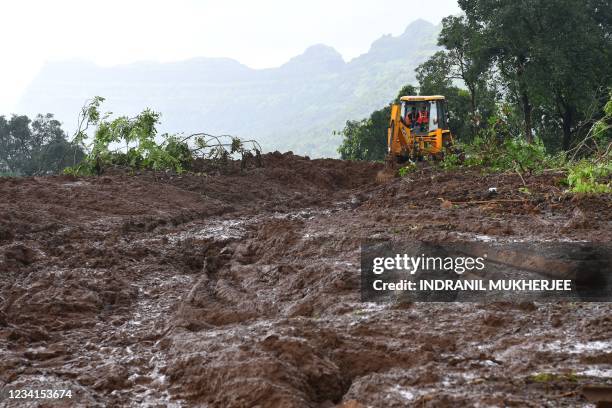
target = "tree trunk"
x: 474, y: 125
x: 567, y: 129
x: 524, y: 100
x: 527, y: 114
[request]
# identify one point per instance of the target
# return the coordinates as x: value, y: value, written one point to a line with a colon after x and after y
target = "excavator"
x: 418, y: 130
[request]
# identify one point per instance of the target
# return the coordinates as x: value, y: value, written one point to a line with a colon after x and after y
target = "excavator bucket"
x: 389, y: 172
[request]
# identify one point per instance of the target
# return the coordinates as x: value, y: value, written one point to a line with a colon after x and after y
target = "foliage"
x: 588, y: 177
x: 547, y: 62
x: 32, y: 147
x: 552, y: 59
x: 496, y: 148
x: 408, y: 168
x: 602, y: 129
x: 180, y: 150
x: 365, y: 139
x: 133, y: 142
x: 598, y: 142
x: 510, y: 154
x: 451, y: 161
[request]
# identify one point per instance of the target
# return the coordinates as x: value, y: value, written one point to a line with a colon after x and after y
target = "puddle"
x: 75, y: 184
x: 596, y: 372
x: 404, y: 392
x: 577, y: 348
x: 220, y: 230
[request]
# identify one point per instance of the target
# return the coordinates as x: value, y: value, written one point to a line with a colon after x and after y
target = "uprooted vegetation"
x: 587, y: 167
x: 133, y: 142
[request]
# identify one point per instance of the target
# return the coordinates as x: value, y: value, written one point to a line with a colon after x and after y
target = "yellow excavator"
x: 418, y: 130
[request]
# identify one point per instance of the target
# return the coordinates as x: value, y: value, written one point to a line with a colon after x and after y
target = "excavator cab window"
x: 433, y: 116
x: 442, y: 115
x: 423, y: 118
x: 408, y: 113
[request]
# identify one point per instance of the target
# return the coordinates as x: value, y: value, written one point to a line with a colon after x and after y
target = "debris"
x: 181, y: 279
x: 20, y: 253
x: 445, y: 204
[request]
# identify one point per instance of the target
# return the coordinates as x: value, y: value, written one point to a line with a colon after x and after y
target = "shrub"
x: 589, y: 177
x: 408, y: 168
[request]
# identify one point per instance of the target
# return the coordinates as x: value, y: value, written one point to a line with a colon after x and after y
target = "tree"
x: 4, y: 145
x: 435, y: 78
x: 434, y: 75
x: 553, y: 57
x: 15, y: 143
x: 503, y: 27
x: 466, y: 60
x: 34, y: 147
x: 573, y: 48
x: 49, y: 149
x: 463, y: 62
x: 45, y: 129
x: 366, y: 139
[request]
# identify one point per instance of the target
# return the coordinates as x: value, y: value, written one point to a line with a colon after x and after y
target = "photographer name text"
x: 535, y: 285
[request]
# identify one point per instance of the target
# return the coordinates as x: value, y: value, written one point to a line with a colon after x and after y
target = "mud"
x: 236, y: 289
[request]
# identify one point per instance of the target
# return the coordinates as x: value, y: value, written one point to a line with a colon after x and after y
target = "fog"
x: 258, y: 34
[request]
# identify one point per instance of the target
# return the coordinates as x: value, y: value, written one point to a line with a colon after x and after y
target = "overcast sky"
x: 258, y: 33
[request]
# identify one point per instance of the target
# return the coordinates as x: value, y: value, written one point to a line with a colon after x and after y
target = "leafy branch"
x: 132, y: 142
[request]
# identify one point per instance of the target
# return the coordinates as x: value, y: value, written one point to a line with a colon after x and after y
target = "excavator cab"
x: 418, y: 129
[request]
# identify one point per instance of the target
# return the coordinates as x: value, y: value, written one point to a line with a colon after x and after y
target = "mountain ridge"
x: 294, y: 106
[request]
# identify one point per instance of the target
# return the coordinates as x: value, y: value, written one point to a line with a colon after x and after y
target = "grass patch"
x: 552, y: 377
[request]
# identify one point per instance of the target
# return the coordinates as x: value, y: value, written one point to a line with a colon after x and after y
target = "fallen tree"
x: 133, y: 142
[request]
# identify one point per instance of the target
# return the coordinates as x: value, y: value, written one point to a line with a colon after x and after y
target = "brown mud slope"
x: 242, y: 289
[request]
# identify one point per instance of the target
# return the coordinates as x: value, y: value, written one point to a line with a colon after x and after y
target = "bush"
x: 589, y: 177
x: 509, y: 154
x: 451, y: 161
x: 408, y: 168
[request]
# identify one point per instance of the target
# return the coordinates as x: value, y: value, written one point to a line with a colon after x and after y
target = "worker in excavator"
x: 423, y: 118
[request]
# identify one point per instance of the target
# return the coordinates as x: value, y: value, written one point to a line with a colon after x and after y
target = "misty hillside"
x: 293, y: 107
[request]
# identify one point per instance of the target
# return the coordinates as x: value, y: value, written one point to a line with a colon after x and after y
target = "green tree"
x: 50, y: 150
x: 34, y: 147
x: 468, y: 63
x: 553, y: 57
x: 464, y: 62
x: 572, y: 49
x: 435, y: 78
x: 15, y: 143
x: 503, y: 27
x: 4, y: 146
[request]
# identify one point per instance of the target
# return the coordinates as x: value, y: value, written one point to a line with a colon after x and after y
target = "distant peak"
x: 320, y: 55
x: 321, y: 49
x: 418, y: 24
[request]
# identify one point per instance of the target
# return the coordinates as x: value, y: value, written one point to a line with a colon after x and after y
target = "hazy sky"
x: 258, y: 33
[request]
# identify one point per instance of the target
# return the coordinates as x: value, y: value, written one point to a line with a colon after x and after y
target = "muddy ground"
x: 242, y: 289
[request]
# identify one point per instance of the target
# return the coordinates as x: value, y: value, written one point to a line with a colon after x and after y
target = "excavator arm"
x: 398, y: 134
